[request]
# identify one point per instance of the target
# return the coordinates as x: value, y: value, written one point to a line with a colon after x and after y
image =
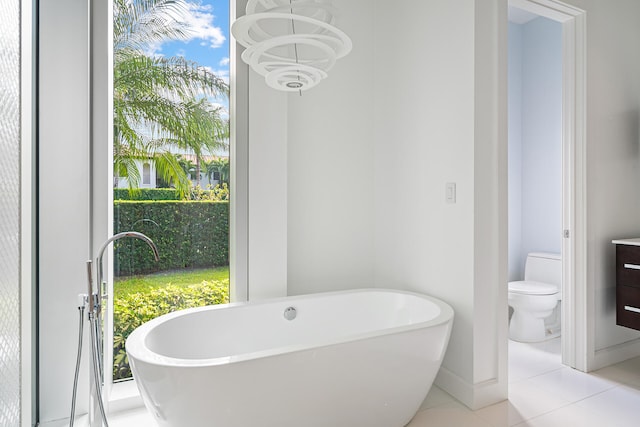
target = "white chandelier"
x: 292, y: 43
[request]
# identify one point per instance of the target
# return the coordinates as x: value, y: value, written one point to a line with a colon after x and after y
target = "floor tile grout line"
x: 539, y: 374
x: 526, y: 421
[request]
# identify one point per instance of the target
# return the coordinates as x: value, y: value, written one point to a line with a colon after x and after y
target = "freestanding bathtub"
x: 339, y: 359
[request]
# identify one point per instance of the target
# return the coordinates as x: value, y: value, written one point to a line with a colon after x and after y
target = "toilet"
x: 535, y: 300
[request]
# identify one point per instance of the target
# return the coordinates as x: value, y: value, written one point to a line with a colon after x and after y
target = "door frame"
x: 576, y: 325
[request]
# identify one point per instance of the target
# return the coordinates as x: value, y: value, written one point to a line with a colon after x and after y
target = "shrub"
x: 132, y: 310
x: 217, y: 193
x: 146, y: 194
x: 187, y: 233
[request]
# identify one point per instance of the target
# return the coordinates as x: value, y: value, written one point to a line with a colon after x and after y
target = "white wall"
x: 535, y: 141
x: 369, y: 153
x: 424, y: 128
x: 330, y: 168
x: 64, y: 210
x: 267, y: 195
x: 490, y: 310
x: 541, y: 136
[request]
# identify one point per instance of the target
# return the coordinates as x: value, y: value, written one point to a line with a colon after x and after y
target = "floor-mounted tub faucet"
x: 93, y: 302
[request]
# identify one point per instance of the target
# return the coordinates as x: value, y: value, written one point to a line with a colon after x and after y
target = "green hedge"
x: 161, y: 194
x: 146, y: 194
x: 132, y: 310
x: 188, y: 234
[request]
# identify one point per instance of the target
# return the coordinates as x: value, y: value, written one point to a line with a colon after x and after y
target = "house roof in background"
x: 207, y: 158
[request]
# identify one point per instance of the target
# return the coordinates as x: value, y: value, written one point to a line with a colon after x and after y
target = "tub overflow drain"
x: 290, y: 313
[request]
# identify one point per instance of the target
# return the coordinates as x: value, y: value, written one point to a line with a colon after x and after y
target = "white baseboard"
x: 474, y: 396
x: 615, y: 354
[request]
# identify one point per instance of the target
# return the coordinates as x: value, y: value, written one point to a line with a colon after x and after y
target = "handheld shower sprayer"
x: 93, y: 301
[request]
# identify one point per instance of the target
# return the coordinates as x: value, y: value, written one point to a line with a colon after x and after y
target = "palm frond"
x: 174, y: 76
x: 161, y: 102
x: 138, y: 24
x: 126, y: 167
x: 168, y: 167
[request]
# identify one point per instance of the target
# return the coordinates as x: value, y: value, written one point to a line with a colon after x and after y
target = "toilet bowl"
x: 536, y: 298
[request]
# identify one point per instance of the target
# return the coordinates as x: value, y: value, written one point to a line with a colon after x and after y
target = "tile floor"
x: 542, y: 393
x: 545, y: 393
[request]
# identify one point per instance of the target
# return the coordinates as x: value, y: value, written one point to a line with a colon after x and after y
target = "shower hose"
x: 97, y: 371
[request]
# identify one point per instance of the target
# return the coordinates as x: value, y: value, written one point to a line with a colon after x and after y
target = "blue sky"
x: 209, y: 46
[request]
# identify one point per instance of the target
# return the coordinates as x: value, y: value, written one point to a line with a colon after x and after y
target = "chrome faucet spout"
x: 119, y: 236
x: 113, y: 238
x: 124, y: 234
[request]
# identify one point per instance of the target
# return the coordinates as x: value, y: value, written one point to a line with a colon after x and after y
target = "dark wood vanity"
x: 628, y: 283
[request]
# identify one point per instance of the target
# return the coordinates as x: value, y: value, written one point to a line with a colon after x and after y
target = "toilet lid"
x: 532, y: 288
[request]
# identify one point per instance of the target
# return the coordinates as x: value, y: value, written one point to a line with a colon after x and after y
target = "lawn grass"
x: 182, y: 278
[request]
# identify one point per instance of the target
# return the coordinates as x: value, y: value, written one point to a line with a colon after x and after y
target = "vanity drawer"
x: 628, y: 306
x: 628, y: 265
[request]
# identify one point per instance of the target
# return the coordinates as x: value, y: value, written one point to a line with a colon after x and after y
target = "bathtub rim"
x: 137, y: 350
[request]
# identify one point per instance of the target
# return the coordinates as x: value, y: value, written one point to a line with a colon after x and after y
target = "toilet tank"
x: 544, y: 267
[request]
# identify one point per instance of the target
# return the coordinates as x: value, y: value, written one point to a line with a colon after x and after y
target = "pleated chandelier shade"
x: 292, y: 43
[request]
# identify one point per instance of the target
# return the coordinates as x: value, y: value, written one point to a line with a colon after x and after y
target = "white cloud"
x: 199, y: 20
x: 224, y: 61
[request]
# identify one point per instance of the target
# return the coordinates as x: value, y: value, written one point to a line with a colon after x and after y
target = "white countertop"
x: 630, y: 242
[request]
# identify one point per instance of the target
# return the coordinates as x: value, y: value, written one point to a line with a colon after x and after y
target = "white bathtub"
x: 354, y: 358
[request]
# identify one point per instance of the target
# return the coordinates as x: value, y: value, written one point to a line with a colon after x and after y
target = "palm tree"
x: 186, y: 165
x: 207, y: 133
x: 220, y: 165
x: 160, y: 102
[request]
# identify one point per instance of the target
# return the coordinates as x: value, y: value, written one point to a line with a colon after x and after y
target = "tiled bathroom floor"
x: 542, y: 393
x: 545, y: 393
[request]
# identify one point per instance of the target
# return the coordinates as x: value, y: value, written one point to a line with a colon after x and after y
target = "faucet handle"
x: 83, y: 300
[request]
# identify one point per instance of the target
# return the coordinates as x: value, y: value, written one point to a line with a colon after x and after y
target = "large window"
x: 170, y: 100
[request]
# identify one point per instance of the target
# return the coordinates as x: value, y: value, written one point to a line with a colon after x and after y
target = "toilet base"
x: 526, y: 328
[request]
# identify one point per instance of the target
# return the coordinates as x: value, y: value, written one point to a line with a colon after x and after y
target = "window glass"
x: 171, y: 102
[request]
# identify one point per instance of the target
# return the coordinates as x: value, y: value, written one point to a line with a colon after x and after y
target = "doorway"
x: 535, y: 174
x: 566, y: 158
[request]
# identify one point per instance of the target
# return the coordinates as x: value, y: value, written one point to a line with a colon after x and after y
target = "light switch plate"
x: 450, y: 192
